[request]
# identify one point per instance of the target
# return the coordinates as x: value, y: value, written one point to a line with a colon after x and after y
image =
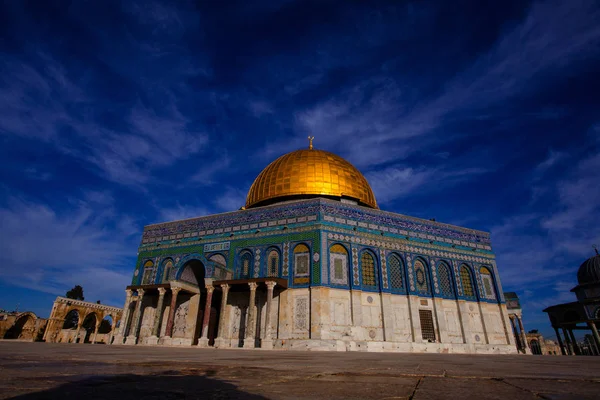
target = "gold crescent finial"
x: 310, y: 139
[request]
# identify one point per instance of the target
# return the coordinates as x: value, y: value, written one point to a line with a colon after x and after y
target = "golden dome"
x: 310, y: 173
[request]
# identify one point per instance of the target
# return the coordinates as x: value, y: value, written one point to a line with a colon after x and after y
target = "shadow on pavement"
x: 168, y: 385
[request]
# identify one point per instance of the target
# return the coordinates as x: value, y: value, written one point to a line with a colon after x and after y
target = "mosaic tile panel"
x: 355, y: 275
x: 384, y: 271
x: 286, y: 259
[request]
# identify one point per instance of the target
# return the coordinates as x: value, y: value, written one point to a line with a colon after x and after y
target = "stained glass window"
x: 167, y: 270
x: 466, y: 281
x: 421, y: 277
x: 488, y: 283
x: 301, y: 260
x: 273, y: 264
x: 444, y: 280
x: 338, y: 261
x: 395, y: 268
x: 246, y: 265
x: 148, y: 272
x: 368, y: 269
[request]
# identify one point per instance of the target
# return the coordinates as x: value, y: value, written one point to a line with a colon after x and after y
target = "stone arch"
x: 218, y: 258
x: 72, y: 318
x: 207, y: 265
x: 23, y: 328
x: 193, y: 271
x: 535, y: 347
x: 89, y: 323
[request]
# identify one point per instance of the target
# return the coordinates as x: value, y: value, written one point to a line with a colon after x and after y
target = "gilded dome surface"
x: 310, y: 172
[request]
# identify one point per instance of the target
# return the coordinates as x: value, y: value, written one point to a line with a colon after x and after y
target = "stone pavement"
x: 84, y: 371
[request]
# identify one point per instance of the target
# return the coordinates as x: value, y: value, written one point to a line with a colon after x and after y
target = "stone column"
x: 112, y: 331
x: 250, y: 328
x: 523, y: 336
x: 170, y: 321
x: 574, y: 342
x: 267, y: 342
x: 569, y: 345
x: 159, y: 312
x: 220, y: 341
x: 123, y: 328
x: 515, y: 332
x: 79, y: 324
x: 96, y: 331
x: 203, y: 341
x: 560, y: 342
x: 595, y: 334
x: 135, y: 323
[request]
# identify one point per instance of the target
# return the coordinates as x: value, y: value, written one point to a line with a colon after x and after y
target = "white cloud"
x: 179, y: 212
x: 51, y: 251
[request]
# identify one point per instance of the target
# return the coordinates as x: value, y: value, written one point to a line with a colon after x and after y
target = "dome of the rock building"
x: 310, y: 173
x: 589, y: 271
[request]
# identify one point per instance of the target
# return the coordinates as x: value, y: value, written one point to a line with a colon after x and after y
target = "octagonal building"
x: 311, y: 263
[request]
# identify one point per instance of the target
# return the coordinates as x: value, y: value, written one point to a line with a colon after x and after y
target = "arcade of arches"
x: 76, y: 321
x: 194, y: 310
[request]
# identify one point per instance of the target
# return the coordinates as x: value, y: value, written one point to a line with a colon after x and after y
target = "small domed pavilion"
x: 583, y: 314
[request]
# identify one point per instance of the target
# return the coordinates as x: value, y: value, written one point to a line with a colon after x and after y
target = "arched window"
x: 338, y: 264
x: 167, y: 270
x: 367, y: 264
x: 488, y: 283
x: 395, y: 268
x: 421, y: 276
x: 148, y: 273
x: 245, y: 265
x: 301, y: 260
x: 444, y: 279
x: 466, y: 281
x: 273, y: 264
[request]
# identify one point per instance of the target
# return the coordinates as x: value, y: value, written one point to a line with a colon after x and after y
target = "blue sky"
x: 114, y: 115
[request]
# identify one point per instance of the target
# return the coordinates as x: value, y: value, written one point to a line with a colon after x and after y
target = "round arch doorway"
x: 194, y: 272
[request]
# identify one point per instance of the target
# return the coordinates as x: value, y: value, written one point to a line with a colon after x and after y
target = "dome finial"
x: 310, y: 139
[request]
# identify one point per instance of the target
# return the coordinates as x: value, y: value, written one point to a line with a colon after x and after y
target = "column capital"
x: 252, y: 285
x: 128, y: 292
x: 271, y: 284
x: 224, y: 286
x: 140, y: 292
x: 210, y: 289
x: 162, y: 291
x: 175, y: 290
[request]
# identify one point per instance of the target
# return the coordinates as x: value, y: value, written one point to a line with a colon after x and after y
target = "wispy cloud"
x: 378, y: 119
x: 51, y: 251
x: 398, y: 181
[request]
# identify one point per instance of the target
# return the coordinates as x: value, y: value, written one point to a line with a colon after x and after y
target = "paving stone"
x: 433, y: 388
x: 559, y: 389
x: 47, y: 370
